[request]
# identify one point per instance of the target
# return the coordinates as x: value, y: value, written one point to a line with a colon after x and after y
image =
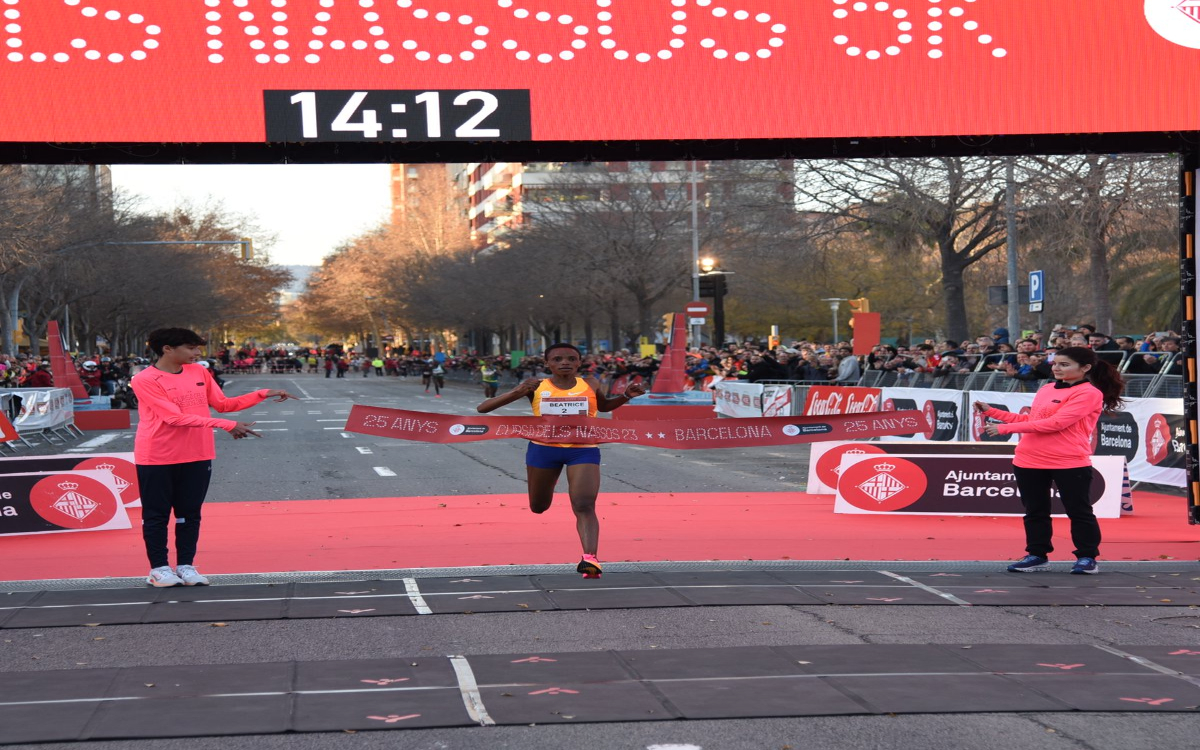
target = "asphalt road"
x: 304, y: 457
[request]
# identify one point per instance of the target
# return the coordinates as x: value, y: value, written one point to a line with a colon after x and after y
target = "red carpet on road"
x: 425, y: 532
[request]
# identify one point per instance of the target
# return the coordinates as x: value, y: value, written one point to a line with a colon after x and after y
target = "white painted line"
x: 364, y: 451
x: 414, y: 596
x: 344, y: 434
x: 335, y: 428
x: 287, y: 413
x: 1148, y: 664
x: 270, y: 421
x: 472, y: 700
x: 347, y: 411
x: 257, y: 413
x: 99, y: 440
x: 930, y: 589
x: 273, y: 429
x: 300, y: 388
x: 316, y: 412
x: 331, y: 420
x: 383, y: 471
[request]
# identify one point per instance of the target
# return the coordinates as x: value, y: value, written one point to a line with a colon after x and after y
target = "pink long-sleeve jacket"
x: 175, y: 425
x: 1057, y: 431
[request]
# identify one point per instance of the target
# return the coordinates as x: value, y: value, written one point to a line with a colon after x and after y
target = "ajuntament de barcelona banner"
x: 591, y: 70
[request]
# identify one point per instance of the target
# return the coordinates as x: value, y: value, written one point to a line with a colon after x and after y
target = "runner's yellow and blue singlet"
x: 577, y: 401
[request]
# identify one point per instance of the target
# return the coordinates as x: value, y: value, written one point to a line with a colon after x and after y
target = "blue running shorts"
x: 551, y: 457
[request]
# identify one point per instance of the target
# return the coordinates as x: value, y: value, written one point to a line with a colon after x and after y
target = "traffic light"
x: 247, y: 248
x: 712, y: 285
x: 668, y: 322
x: 860, y: 305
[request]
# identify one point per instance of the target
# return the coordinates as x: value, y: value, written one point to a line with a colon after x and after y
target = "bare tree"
x: 1100, y: 208
x: 950, y: 205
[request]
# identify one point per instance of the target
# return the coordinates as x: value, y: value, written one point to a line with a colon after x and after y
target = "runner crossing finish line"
x: 705, y: 434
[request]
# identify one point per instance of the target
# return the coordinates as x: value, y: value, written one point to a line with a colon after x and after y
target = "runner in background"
x: 564, y: 393
x: 174, y: 448
x: 439, y: 379
x: 1055, y: 448
x: 491, y: 379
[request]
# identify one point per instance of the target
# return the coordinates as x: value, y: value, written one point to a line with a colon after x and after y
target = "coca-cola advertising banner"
x: 120, y: 465
x: 940, y: 484
x: 559, y: 70
x: 58, y: 502
x: 1149, y: 433
x: 825, y: 460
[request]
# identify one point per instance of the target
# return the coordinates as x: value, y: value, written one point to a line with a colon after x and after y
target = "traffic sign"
x: 1037, y: 287
x: 696, y: 321
x: 696, y: 309
x: 1035, y: 307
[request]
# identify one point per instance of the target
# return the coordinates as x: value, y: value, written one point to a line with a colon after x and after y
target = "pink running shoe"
x: 590, y: 567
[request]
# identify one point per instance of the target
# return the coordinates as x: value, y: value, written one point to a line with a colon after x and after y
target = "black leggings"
x: 167, y: 488
x: 1073, y: 488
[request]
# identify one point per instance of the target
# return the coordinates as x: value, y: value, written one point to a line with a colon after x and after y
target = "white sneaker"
x: 163, y: 577
x: 190, y: 576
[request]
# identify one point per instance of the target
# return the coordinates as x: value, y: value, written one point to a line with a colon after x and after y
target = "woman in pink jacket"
x: 173, y: 448
x: 1055, y: 448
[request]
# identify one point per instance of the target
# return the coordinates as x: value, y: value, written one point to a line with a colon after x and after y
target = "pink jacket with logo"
x: 175, y: 425
x: 1057, y: 431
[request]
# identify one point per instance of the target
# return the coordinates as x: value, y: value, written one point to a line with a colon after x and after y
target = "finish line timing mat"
x: 632, y: 590
x: 524, y: 689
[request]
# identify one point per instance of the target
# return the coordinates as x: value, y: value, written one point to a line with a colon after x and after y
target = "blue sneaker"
x: 1085, y: 566
x: 1030, y: 564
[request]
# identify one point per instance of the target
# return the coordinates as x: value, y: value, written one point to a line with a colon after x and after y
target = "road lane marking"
x: 383, y: 471
x: 300, y: 388
x: 99, y: 440
x: 331, y: 420
x: 364, y: 451
x: 472, y: 700
x: 414, y: 595
x: 344, y: 434
x: 930, y: 589
x: 334, y: 428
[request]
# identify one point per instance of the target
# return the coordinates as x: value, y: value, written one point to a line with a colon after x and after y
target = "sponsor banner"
x: 1018, y: 403
x: 45, y: 409
x: 739, y: 399
x: 665, y: 433
x: 777, y: 401
x: 120, y: 465
x: 59, y: 502
x: 1149, y: 433
x: 942, y: 409
x: 942, y: 484
x: 825, y: 460
x: 837, y: 399
x: 590, y: 70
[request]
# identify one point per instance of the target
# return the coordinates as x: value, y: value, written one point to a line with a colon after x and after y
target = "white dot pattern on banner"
x: 13, y: 29
x: 934, y: 40
x: 545, y: 17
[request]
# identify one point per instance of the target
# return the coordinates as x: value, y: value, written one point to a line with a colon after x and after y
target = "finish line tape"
x: 427, y: 427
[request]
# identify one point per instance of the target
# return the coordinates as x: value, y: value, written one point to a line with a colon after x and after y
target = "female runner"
x: 1055, y: 448
x: 564, y: 393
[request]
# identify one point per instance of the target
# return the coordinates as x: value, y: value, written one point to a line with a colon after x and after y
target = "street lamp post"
x: 716, y: 287
x: 834, y: 304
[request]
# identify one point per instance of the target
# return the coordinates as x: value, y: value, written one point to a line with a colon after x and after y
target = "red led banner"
x: 663, y: 433
x: 479, y: 70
